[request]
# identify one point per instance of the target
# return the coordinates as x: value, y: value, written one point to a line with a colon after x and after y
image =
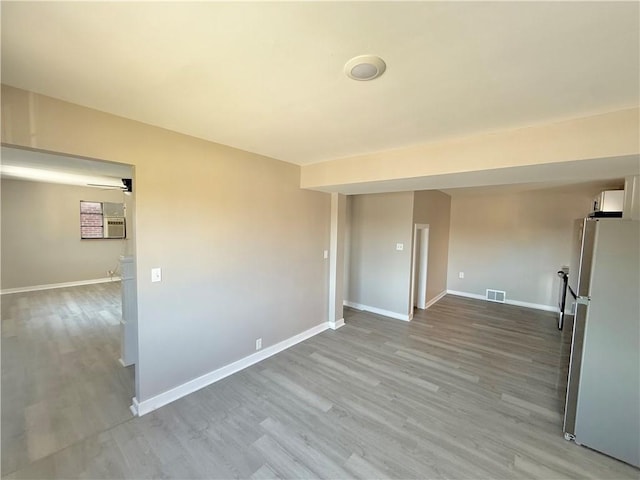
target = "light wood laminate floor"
x: 466, y: 390
x: 61, y: 379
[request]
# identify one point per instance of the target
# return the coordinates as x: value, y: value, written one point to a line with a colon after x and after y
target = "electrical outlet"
x: 461, y: 275
x: 258, y: 343
x: 156, y: 275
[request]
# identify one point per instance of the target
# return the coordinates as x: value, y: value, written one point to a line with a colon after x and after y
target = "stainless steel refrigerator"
x: 602, y: 405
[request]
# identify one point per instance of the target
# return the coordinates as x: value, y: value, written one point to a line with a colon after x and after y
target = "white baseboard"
x: 467, y: 294
x: 336, y: 324
x: 435, y: 299
x: 518, y: 303
x: 135, y: 407
x: 122, y: 362
x: 153, y: 403
x: 51, y: 286
x: 537, y: 306
x: 379, y: 311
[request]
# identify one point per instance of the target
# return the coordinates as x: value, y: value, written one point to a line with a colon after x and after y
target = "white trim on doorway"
x: 419, y: 266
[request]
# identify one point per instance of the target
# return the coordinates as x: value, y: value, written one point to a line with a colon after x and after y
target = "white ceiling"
x: 268, y: 77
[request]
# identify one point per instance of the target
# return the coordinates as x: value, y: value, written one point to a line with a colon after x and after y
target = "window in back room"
x: 102, y: 220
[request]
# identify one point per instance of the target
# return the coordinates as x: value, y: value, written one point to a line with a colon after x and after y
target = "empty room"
x: 320, y: 239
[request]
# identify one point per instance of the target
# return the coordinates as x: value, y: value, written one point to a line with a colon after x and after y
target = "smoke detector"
x: 365, y: 67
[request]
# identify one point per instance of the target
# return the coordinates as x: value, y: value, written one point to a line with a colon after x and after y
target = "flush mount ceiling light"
x: 365, y: 67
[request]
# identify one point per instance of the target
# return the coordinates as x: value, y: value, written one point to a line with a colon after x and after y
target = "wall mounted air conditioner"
x: 114, y: 227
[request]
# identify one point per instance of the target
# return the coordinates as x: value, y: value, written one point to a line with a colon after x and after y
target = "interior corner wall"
x: 514, y: 242
x: 239, y: 243
x: 433, y: 207
x: 379, y: 276
x: 41, y: 242
x: 347, y: 248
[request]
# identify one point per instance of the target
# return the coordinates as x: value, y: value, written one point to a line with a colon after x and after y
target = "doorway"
x: 64, y: 375
x: 420, y: 266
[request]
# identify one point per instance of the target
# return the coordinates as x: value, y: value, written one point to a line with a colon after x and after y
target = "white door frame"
x: 421, y: 262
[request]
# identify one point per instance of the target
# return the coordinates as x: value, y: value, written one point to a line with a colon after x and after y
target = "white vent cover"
x: 496, y: 295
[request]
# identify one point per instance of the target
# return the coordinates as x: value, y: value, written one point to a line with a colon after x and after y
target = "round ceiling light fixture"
x: 365, y: 67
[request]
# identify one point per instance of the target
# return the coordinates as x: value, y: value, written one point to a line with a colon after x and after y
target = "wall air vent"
x: 496, y: 295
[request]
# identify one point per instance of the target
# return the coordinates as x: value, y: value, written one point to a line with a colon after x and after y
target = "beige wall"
x: 41, y: 242
x: 239, y: 243
x: 434, y: 208
x: 513, y: 242
x: 379, y: 274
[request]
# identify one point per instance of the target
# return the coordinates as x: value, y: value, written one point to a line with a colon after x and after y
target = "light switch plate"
x: 156, y: 274
x: 399, y: 246
x: 325, y: 254
x: 461, y: 275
